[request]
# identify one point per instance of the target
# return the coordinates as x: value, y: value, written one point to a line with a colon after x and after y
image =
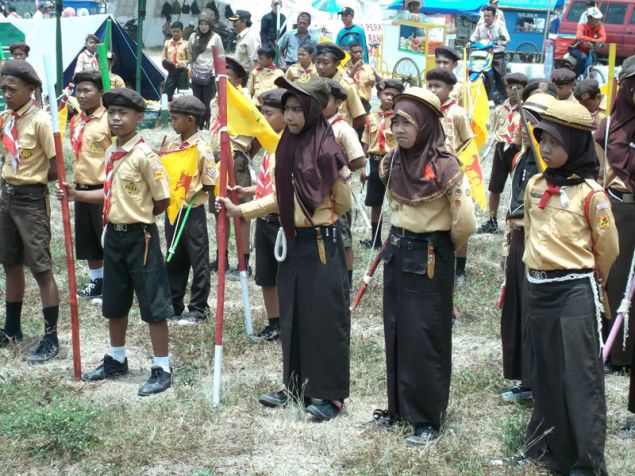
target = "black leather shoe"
x: 274, y: 400
x: 6, y: 339
x: 383, y: 419
x: 271, y: 332
x: 159, y: 381
x: 46, y: 350
x: 108, y: 368
x: 422, y: 435
x: 323, y: 411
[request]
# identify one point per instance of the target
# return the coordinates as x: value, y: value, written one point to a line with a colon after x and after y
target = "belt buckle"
x: 409, y: 245
x: 120, y: 227
x: 10, y: 189
x: 539, y: 274
x: 395, y: 240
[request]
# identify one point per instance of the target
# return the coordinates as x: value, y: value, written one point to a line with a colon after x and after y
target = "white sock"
x: 163, y: 362
x: 96, y: 273
x: 118, y: 353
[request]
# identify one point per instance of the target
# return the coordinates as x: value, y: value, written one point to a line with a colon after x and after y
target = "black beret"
x: 336, y: 89
x: 236, y: 67
x: 188, y: 105
x: 586, y: 89
x: 447, y: 52
x: 312, y: 86
x: 563, y: 76
x: 124, y: 97
x: 395, y: 84
x: 22, y: 70
x: 272, y: 98
x: 539, y: 85
x: 91, y: 76
x: 441, y: 74
x: 18, y: 45
x: 332, y: 49
x: 515, y: 78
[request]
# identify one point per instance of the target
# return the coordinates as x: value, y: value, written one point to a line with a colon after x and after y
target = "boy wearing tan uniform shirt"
x: 361, y: 73
x: 28, y: 152
x: 262, y: 77
x: 175, y: 59
x: 304, y: 67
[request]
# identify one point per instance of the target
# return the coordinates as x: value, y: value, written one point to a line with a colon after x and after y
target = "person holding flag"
x: 90, y: 139
x: 194, y: 185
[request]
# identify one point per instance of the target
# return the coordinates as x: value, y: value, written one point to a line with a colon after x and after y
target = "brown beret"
x: 395, y: 84
x: 272, y: 98
x: 586, y: 89
x: 515, y: 78
x: 188, y: 105
x: 336, y: 89
x: 563, y: 76
x: 124, y: 97
x: 447, y: 52
x: 313, y: 86
x: 236, y: 67
x: 441, y: 74
x: 22, y: 70
x: 539, y: 85
x: 332, y: 49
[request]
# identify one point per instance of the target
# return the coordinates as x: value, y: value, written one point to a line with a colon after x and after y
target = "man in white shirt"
x: 247, y: 40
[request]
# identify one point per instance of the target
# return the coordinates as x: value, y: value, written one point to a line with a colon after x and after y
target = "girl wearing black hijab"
x: 432, y: 215
x: 312, y: 190
x: 570, y: 245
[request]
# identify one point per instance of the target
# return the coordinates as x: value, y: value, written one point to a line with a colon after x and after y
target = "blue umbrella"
x: 330, y: 6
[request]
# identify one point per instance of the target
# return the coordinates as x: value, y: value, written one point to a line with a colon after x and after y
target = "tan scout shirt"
x: 456, y: 125
x: 606, y: 171
x: 35, y: 144
x: 567, y: 237
x: 182, y: 53
x: 296, y: 71
x: 86, y: 62
x: 346, y: 138
x: 352, y: 108
x: 205, y: 175
x: 261, y: 80
x: 364, y: 80
x: 501, y: 123
x: 88, y: 168
x: 247, y: 44
x: 139, y: 180
x: 572, y: 98
x: 327, y: 213
x: 370, y: 137
x: 454, y: 212
x: 116, y: 81
x: 458, y: 92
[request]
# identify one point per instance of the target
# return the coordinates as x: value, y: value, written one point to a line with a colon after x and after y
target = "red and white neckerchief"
x: 335, y: 119
x: 381, y: 134
x: 110, y: 163
x: 10, y: 136
x: 448, y: 105
x: 511, y: 126
x: 78, y: 123
x: 174, y: 45
x: 264, y: 185
x: 553, y: 190
x: 262, y: 68
x: 94, y: 64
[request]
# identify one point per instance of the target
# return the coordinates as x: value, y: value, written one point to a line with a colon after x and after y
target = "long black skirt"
x: 567, y: 374
x: 315, y: 321
x: 513, y: 315
x: 418, y: 327
x: 624, y: 214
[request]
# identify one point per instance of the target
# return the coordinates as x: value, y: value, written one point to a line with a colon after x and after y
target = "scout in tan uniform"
x: 506, y: 125
x: 327, y: 61
x: 90, y: 139
x: 116, y: 81
x: 312, y: 284
x: 87, y: 59
x: 570, y: 243
x: 564, y: 78
x: 347, y: 139
x: 588, y: 93
x: 175, y: 59
x: 361, y: 73
x: 378, y: 140
x: 28, y: 153
x: 432, y: 215
x: 262, y: 77
x: 305, y: 66
x: 448, y: 58
x: 193, y: 248
x: 136, y: 189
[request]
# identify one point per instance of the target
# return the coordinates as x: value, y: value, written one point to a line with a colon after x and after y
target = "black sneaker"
x: 517, y: 393
x: 490, y: 226
x: 422, y: 435
x: 274, y: 400
x: 46, y: 350
x: 324, y: 410
x: 159, y: 381
x: 271, y: 332
x: 91, y: 290
x: 7, y: 340
x: 383, y: 419
x: 108, y: 368
x: 191, y: 319
x: 234, y: 274
x: 213, y: 266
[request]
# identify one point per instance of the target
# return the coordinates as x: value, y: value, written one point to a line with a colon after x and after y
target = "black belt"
x: 557, y: 273
x: 376, y: 157
x: 81, y: 186
x: 125, y: 227
x: 271, y: 218
x: 626, y: 197
x: 402, y: 238
x: 311, y: 233
x: 17, y: 190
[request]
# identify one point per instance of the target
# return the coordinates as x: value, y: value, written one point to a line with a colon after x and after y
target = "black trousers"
x: 205, y: 94
x: 191, y: 252
x: 177, y: 79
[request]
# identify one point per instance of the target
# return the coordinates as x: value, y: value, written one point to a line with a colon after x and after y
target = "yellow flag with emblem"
x: 244, y: 119
x: 471, y: 165
x: 181, y: 167
x: 480, y: 111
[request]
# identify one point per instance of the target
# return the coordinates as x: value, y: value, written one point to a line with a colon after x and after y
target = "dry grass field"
x: 50, y: 424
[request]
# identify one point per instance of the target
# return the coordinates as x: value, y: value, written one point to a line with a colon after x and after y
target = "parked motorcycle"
x: 480, y: 64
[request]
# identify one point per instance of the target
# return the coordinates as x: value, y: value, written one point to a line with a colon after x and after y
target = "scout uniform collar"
x: 128, y: 146
x: 98, y: 113
x: 25, y: 109
x: 190, y: 140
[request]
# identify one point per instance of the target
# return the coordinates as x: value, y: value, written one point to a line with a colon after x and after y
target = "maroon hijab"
x: 427, y: 170
x: 307, y: 164
x: 620, y: 155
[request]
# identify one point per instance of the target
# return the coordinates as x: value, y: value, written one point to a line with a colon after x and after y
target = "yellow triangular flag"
x: 480, y: 111
x: 471, y: 164
x: 244, y: 119
x: 62, y: 116
x: 181, y: 168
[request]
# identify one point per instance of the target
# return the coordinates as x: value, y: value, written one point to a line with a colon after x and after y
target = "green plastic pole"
x: 59, y: 5
x: 2, y: 58
x: 180, y: 232
x: 102, y: 51
x: 140, y: 17
x: 108, y: 36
